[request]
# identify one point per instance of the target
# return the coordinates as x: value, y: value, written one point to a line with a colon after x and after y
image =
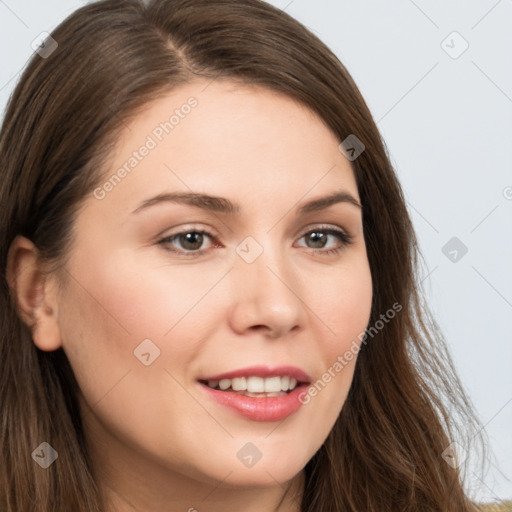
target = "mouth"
x: 258, y: 382
x: 255, y: 386
x: 258, y: 393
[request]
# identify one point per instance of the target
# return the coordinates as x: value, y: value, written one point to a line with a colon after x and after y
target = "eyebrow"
x: 223, y: 205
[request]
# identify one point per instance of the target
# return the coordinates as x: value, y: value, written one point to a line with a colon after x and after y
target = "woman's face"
x: 146, y: 314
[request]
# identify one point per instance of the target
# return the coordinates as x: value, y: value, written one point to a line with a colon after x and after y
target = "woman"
x: 209, y: 290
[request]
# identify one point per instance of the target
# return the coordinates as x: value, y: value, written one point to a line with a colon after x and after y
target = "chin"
x: 264, y: 473
x: 258, y: 478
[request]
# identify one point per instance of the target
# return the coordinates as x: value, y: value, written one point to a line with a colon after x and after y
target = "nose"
x: 266, y: 296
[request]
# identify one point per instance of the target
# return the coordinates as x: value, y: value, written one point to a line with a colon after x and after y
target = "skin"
x: 157, y: 441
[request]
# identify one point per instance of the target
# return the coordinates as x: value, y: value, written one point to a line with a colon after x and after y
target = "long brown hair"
x: 385, y: 451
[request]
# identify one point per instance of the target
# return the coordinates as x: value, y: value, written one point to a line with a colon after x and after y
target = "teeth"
x: 272, y: 385
x: 239, y: 384
x: 224, y: 384
x: 256, y: 384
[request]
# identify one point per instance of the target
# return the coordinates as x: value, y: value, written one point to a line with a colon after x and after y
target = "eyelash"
x: 344, y: 238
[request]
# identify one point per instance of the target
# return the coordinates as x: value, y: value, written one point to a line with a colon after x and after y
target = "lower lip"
x: 275, y: 408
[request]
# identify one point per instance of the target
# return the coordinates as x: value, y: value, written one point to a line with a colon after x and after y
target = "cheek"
x: 112, y: 305
x: 344, y: 302
x: 94, y: 339
x: 148, y: 298
x: 105, y: 315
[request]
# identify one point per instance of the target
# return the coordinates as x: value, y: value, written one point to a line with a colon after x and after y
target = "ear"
x: 34, y: 293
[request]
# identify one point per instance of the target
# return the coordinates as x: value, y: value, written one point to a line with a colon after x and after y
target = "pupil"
x: 320, y: 236
x: 189, y: 239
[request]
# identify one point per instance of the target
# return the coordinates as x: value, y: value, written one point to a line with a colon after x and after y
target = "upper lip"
x: 263, y: 371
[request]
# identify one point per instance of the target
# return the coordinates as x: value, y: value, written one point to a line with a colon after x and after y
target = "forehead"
x: 225, y: 139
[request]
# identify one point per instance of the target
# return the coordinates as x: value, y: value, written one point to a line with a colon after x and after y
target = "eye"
x: 191, y: 241
x: 321, y: 234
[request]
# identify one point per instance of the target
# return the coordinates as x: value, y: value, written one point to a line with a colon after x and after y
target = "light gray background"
x: 447, y: 123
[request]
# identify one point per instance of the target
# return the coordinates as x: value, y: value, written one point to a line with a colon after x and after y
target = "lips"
x: 268, y: 407
x: 257, y: 405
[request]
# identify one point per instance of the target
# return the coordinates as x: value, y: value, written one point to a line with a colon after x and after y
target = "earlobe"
x: 33, y: 293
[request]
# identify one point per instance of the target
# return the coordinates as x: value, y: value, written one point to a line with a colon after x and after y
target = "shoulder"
x: 504, y: 506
